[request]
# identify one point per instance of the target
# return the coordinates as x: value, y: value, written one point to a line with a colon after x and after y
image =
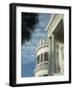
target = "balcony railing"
x: 42, y: 65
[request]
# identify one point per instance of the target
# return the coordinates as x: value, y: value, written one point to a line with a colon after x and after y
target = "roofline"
x: 49, y: 22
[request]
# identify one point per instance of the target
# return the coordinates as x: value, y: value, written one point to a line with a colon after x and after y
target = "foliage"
x: 29, y: 22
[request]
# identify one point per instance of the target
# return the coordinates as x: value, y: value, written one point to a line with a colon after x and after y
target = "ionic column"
x: 57, y: 58
x: 53, y: 55
x: 61, y: 58
x: 50, y: 57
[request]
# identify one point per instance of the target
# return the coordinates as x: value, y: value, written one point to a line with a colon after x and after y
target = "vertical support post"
x: 53, y: 55
x: 51, y: 61
x: 50, y: 57
x: 57, y: 58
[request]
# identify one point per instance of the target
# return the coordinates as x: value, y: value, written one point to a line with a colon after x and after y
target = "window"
x: 38, y: 59
x: 46, y: 56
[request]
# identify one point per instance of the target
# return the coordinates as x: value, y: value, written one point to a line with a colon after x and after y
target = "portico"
x: 55, y: 30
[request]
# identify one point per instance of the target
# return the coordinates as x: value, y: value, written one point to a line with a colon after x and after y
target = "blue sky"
x: 28, y: 56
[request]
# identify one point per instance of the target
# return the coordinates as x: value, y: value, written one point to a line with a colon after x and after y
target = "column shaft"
x: 53, y: 55
x: 50, y: 57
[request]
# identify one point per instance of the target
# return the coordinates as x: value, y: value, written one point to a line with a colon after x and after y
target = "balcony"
x: 42, y: 65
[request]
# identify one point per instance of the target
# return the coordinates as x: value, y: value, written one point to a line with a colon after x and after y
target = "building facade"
x: 50, y: 52
x: 41, y: 58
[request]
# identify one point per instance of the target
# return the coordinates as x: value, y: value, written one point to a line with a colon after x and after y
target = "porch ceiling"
x: 59, y: 31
